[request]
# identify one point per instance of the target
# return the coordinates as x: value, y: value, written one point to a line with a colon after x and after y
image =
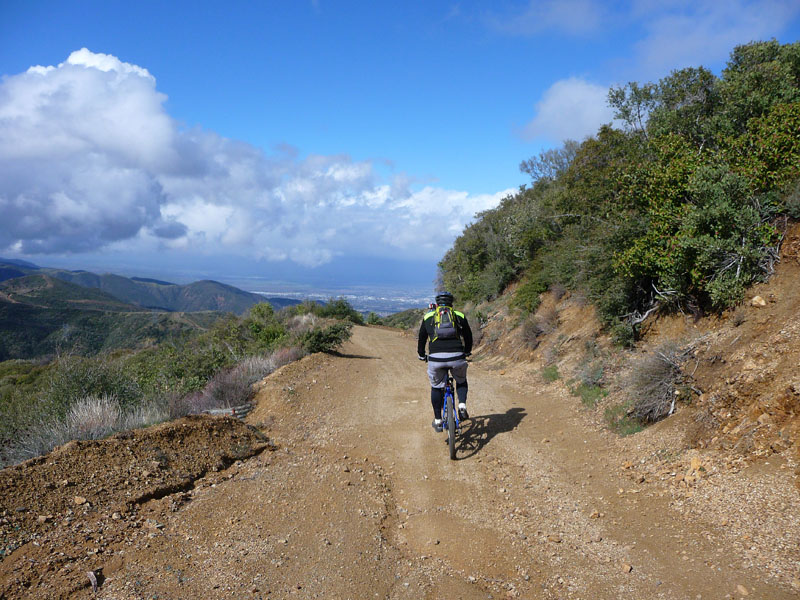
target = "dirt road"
x: 359, y: 499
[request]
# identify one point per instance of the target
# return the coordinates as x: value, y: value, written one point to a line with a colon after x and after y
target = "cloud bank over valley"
x: 90, y: 159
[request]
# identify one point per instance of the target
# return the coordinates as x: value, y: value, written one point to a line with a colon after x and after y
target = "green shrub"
x: 623, y: 334
x: 527, y: 296
x: 550, y: 374
x: 263, y: 326
x: 340, y: 308
x: 73, y: 377
x: 620, y: 421
x: 327, y: 339
x: 590, y: 395
x: 407, y: 319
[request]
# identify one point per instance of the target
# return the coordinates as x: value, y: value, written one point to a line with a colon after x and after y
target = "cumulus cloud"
x: 89, y: 158
x: 668, y: 34
x: 570, y: 109
x: 680, y: 34
x: 574, y: 17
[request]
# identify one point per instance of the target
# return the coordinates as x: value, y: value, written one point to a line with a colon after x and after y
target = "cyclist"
x: 450, y: 344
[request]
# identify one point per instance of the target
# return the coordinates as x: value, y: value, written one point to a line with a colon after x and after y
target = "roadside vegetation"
x: 49, y: 401
x: 408, y: 319
x: 682, y: 207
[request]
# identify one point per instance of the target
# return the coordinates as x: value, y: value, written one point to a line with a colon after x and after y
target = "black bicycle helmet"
x: 444, y: 299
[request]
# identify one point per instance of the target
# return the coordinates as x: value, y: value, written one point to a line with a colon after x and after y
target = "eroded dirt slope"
x: 355, y: 497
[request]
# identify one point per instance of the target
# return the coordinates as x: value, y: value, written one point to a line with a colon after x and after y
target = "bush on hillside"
x: 340, y: 308
x: 408, y: 319
x: 652, y: 383
x: 72, y: 378
x: 327, y: 339
x: 550, y: 373
x: 264, y: 326
x: 527, y: 296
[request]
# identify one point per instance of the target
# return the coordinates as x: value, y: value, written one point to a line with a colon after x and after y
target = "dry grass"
x: 538, y: 325
x: 233, y: 387
x: 89, y: 418
x: 96, y: 416
x: 653, y: 381
x: 302, y: 323
x: 558, y: 291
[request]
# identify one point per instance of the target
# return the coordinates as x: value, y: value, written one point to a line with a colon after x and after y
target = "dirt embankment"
x: 743, y: 362
x: 65, y: 513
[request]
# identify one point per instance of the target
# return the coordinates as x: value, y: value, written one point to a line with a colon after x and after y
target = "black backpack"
x: 445, y: 323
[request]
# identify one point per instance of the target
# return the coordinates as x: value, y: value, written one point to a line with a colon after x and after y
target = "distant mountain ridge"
x: 44, y: 291
x: 151, y: 293
x: 42, y: 315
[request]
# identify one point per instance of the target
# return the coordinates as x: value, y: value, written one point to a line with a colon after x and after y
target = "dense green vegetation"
x: 407, y: 319
x: 680, y: 207
x: 47, y: 402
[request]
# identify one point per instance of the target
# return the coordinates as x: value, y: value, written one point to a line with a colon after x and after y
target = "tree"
x: 550, y: 163
x: 633, y: 103
x: 758, y: 76
x: 263, y: 325
x: 687, y: 102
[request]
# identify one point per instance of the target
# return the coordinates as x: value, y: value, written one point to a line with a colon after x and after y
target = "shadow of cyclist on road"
x: 479, y: 430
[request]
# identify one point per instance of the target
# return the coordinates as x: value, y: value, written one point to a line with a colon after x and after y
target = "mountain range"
x: 44, y: 311
x: 151, y: 293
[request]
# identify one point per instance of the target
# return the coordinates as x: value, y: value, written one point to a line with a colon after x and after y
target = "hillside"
x: 45, y: 291
x: 733, y: 376
x: 407, y: 319
x: 152, y: 293
x: 41, y: 315
x: 679, y: 206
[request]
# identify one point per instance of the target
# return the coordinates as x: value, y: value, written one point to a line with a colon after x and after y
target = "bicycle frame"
x: 449, y: 408
x: 449, y: 397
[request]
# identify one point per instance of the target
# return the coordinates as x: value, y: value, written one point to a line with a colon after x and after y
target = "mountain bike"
x: 450, y: 421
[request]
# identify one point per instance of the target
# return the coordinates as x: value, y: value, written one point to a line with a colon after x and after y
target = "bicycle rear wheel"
x: 451, y: 427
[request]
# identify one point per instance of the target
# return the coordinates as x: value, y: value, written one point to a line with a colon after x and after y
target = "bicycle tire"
x: 451, y: 427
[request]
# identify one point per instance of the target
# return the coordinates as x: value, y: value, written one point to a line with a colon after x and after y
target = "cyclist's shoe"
x: 437, y: 425
x: 463, y: 415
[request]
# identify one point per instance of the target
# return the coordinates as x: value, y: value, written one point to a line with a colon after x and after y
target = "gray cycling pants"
x: 437, y: 371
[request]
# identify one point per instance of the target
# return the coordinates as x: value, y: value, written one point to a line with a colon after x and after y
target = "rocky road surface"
x: 354, y: 496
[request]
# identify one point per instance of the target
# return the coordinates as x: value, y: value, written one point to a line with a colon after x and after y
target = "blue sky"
x: 310, y: 141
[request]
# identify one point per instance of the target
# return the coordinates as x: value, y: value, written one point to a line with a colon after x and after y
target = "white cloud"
x: 90, y: 159
x: 681, y: 34
x: 667, y: 34
x: 674, y: 34
x: 106, y: 63
x: 574, y: 17
x: 569, y: 109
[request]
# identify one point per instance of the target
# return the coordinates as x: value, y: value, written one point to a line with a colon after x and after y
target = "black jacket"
x: 426, y: 332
